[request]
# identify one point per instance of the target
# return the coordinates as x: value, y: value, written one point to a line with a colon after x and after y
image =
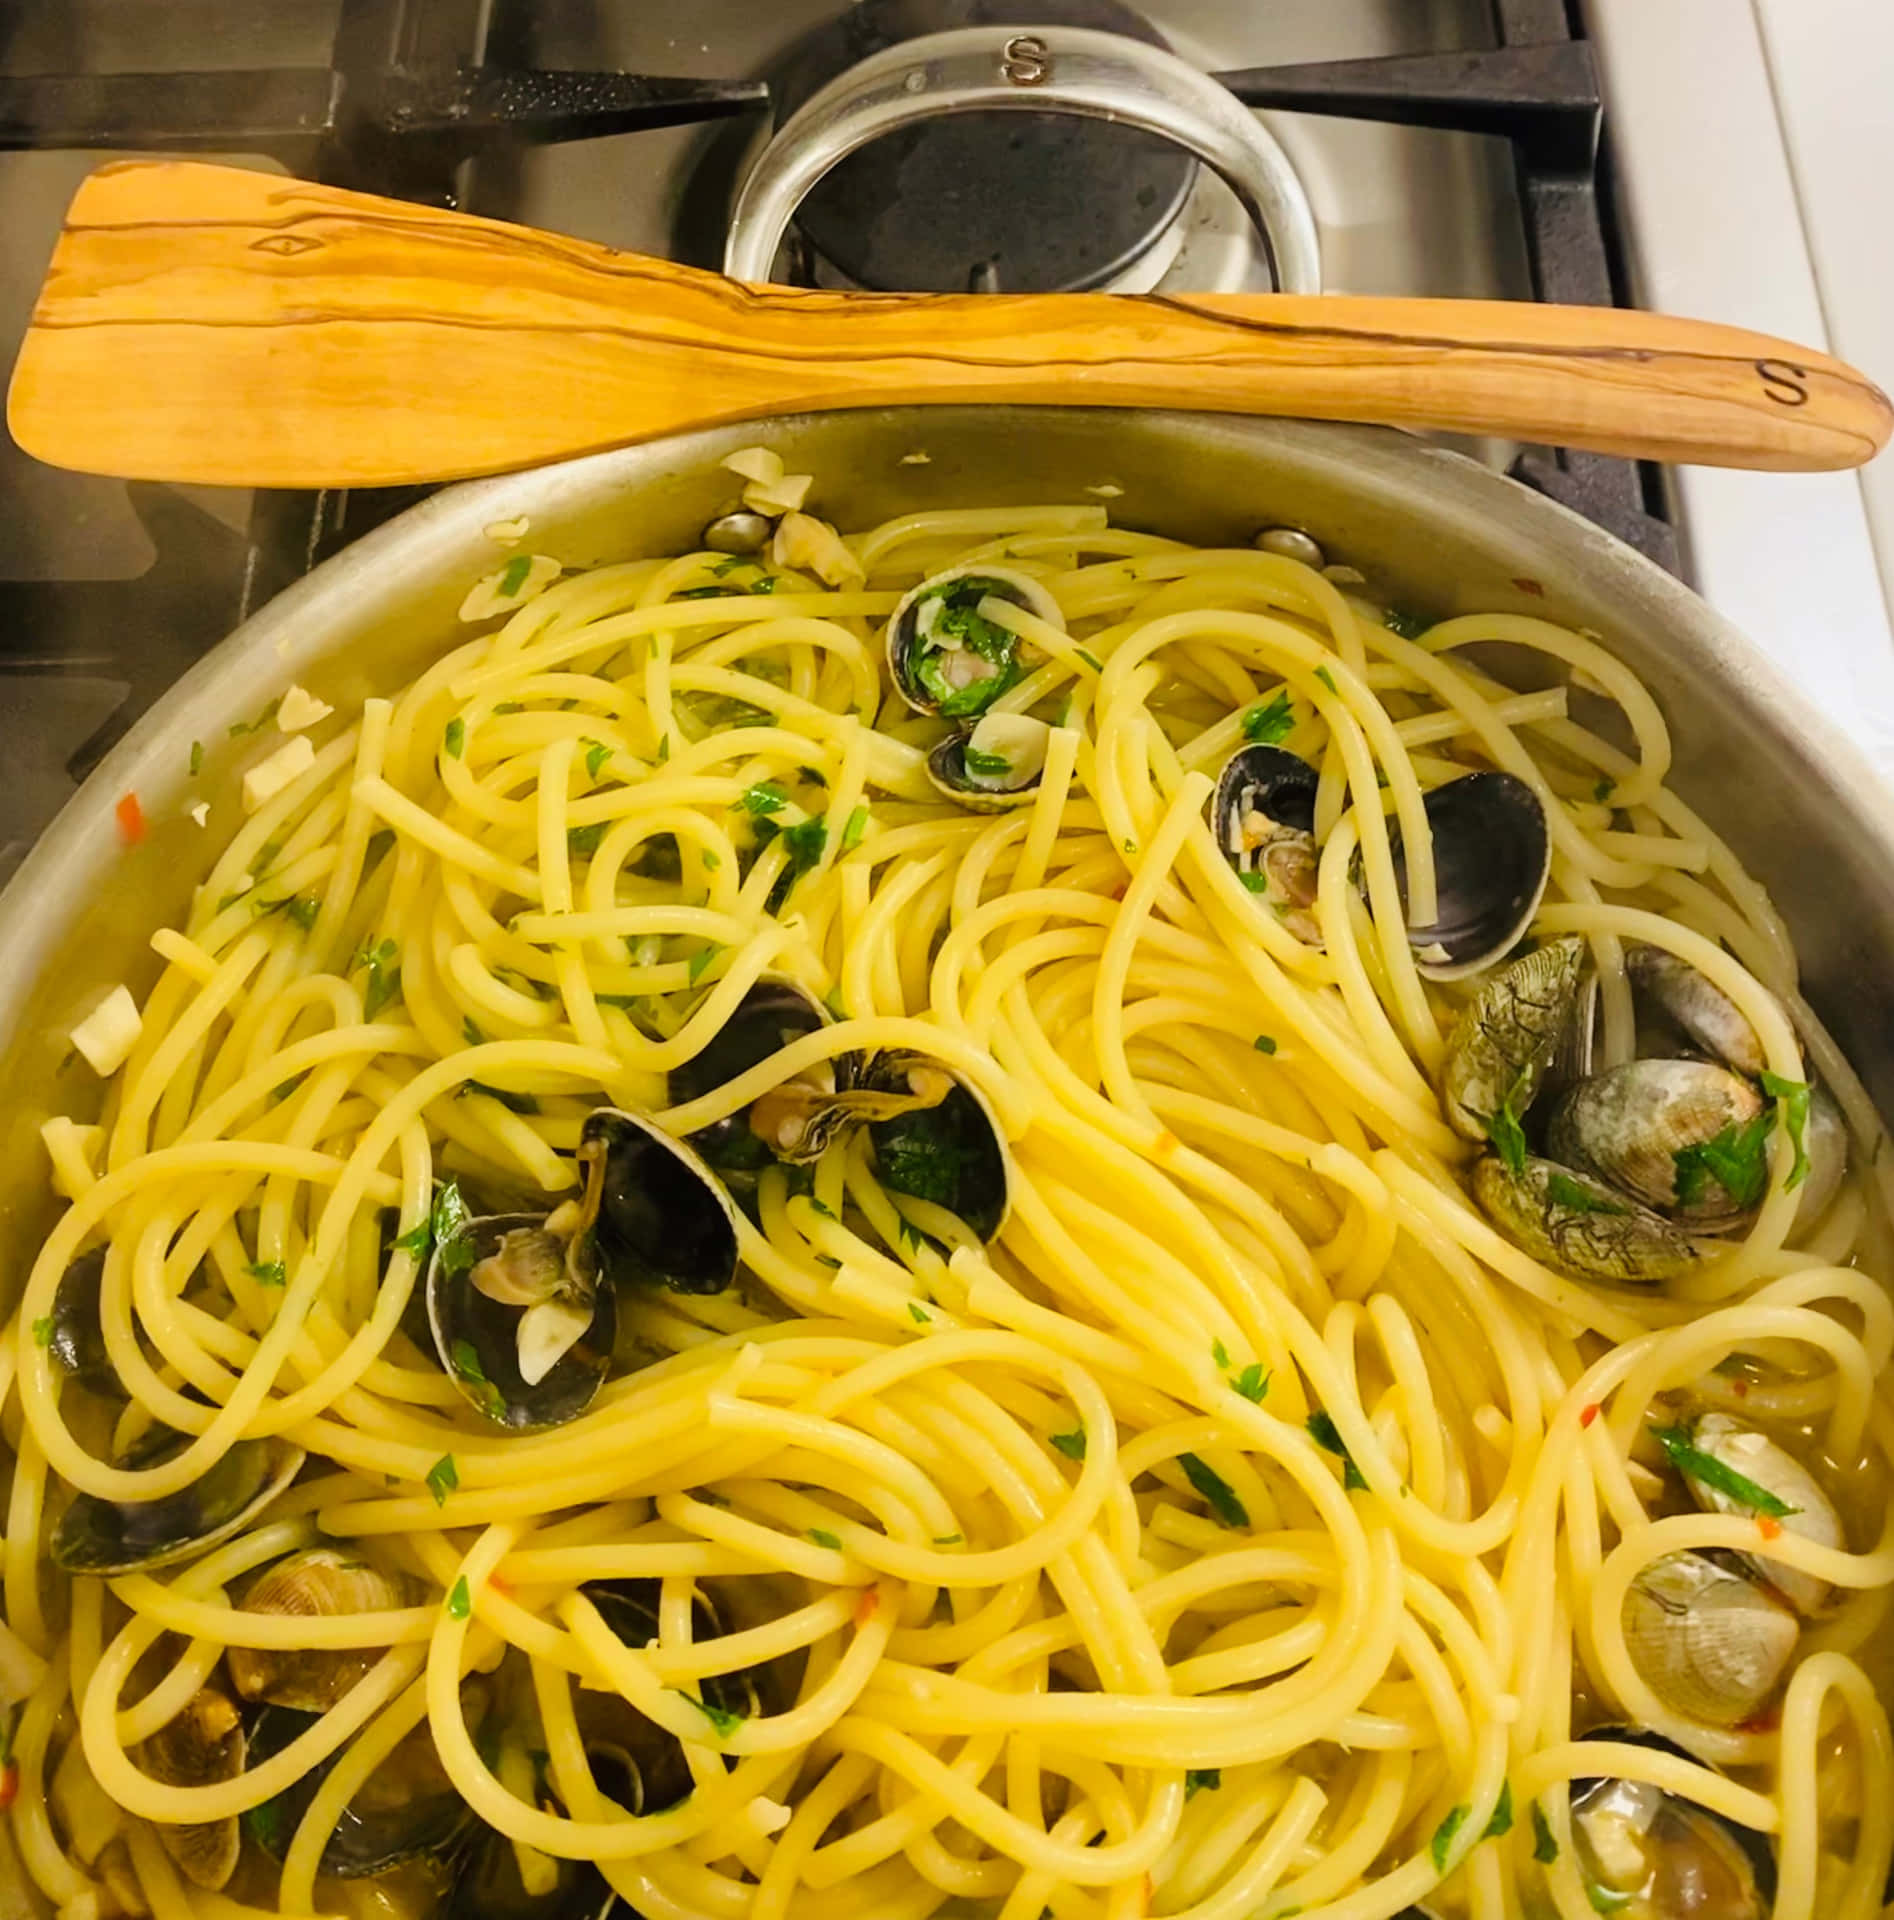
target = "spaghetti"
x: 1246, y: 1528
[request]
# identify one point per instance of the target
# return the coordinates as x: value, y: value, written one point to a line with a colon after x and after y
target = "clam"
x: 949, y: 1152
x: 407, y: 1810
x: 1709, y: 1642
x: 772, y: 1014
x: 1700, y: 1010
x: 111, y: 1537
x: 1492, y: 855
x: 945, y: 656
x: 1578, y: 1226
x: 1509, y: 1034
x: 1682, y: 1136
x: 1263, y: 815
x: 1655, y: 1856
x: 201, y: 1746
x: 995, y: 765
x: 523, y: 1308
x: 1825, y: 1141
x: 1733, y: 1468
x: 78, y: 1342
x: 319, y: 1582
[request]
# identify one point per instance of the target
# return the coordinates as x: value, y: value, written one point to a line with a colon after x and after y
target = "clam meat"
x: 946, y: 656
x: 201, y: 1746
x: 1263, y: 815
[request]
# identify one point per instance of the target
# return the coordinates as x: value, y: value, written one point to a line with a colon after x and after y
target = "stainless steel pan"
x: 1430, y: 529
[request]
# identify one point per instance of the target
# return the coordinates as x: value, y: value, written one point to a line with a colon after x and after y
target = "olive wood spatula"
x: 208, y: 324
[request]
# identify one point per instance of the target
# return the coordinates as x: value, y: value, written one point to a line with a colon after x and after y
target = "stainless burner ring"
x: 1101, y: 76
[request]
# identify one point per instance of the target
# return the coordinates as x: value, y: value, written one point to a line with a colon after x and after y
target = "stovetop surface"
x: 108, y: 591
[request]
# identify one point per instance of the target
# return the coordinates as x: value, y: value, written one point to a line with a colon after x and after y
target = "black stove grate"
x: 416, y: 89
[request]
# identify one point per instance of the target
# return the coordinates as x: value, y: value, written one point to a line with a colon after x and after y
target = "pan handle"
x: 1100, y: 76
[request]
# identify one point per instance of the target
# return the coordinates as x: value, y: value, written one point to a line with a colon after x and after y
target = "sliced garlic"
x: 508, y: 588
x: 300, y: 708
x: 547, y: 1333
x: 779, y: 496
x: 74, y: 1152
x: 106, y: 1036
x: 755, y: 463
x: 811, y: 545
x: 199, y: 810
x: 507, y: 533
x: 289, y: 762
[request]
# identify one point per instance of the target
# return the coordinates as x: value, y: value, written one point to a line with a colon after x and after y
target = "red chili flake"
x: 1532, y: 587
x: 131, y: 819
x: 9, y: 1785
x: 1589, y: 1415
x: 1740, y: 1388
x: 866, y: 1606
x: 1768, y: 1526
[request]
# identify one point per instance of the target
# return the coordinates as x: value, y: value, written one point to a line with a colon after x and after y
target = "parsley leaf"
x: 1255, y: 882
x: 239, y: 728
x: 1545, y: 1848
x: 1215, y: 1489
x: 43, y: 1331
x: 1273, y: 722
x: 1735, y: 1159
x: 513, y: 575
x: 1220, y: 1354
x: 1322, y: 1431
x: 596, y: 754
x: 467, y: 1363
x: 919, y: 1314
x: 384, y: 977
x: 584, y: 840
x: 765, y: 797
x: 1327, y: 679
x: 1505, y: 1132
x: 1264, y: 1044
x: 856, y: 827
x: 1091, y: 659
x: 1704, y: 1468
x: 1604, y: 790
x: 1792, y: 1102
x: 949, y: 1539
x: 700, y: 960
x: 454, y: 740
x: 417, y: 1240
x: 1072, y: 1444
x: 824, y: 1538
x: 1502, y: 1820
x: 452, y: 1229
x: 1202, y: 1780
x: 443, y: 1478
x: 470, y: 1033
x: 197, y: 758
x: 1253, y: 1382
x: 721, y: 1719
x: 804, y: 844
x: 1442, y: 1842
x: 460, y: 1601
x: 1563, y: 1191
x: 664, y: 749
x: 986, y: 766
x: 268, y: 1273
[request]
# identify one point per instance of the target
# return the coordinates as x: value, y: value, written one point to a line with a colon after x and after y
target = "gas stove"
x: 1439, y: 147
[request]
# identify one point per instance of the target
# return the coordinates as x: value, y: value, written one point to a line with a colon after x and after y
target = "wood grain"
x: 208, y: 324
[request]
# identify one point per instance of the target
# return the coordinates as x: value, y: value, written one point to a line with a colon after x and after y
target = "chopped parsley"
x: 1264, y: 1044
x: 1792, y: 1102
x: 1606, y: 1899
x: 452, y: 1229
x: 664, y: 748
x: 1202, y: 1780
x: 1215, y: 1489
x: 722, y: 1720
x: 853, y: 831
x: 460, y: 1601
x: 948, y: 1539
x: 513, y: 575
x: 1327, y: 679
x: 467, y: 1363
x: 1502, y: 1820
x: 454, y: 740
x: 765, y: 797
x: 1410, y: 626
x: 1736, y: 1159
x: 509, y: 706
x: 1563, y: 1191
x: 824, y: 1538
x: 268, y: 1273
x: 986, y: 766
x: 1505, y: 1132
x: 1072, y: 1444
x: 700, y: 960
x: 384, y: 976
x: 197, y: 758
x: 1604, y: 790
x: 596, y: 754
x: 804, y: 844
x: 1270, y: 723
x: 1255, y: 882
x: 43, y: 1331
x: 584, y: 840
x: 418, y: 1240
x: 1253, y: 1382
x: 1442, y: 1842
x: 471, y: 1033
x: 1091, y: 659
x: 710, y: 860
x: 919, y: 1314
x: 1690, y: 1460
x: 1545, y: 1848
x: 238, y: 728
x: 1323, y: 1432
x: 443, y: 1478
x: 1220, y: 1354
x: 295, y: 907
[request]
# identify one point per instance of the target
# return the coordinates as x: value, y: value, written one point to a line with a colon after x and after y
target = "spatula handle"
x: 208, y: 324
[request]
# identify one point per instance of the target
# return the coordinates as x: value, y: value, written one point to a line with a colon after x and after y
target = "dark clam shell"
x: 952, y: 1155
x: 768, y: 1018
x: 488, y: 1886
x: 663, y: 1218
x: 1492, y: 854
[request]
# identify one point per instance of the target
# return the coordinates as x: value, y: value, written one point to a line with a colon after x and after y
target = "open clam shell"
x: 774, y: 1013
x: 1579, y: 1227
x: 994, y: 766
x: 661, y: 1217
x: 1709, y: 1642
x: 944, y: 657
x: 1701, y: 1011
x: 1492, y: 856
x: 490, y: 1885
x: 951, y: 1154
x: 1262, y: 812
x: 111, y: 1537
x: 202, y: 1745
x: 1509, y: 1033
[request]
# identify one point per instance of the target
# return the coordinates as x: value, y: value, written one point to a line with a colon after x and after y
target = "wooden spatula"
x: 203, y: 323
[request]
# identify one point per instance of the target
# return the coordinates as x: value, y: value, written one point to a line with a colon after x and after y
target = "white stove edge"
x: 1715, y: 229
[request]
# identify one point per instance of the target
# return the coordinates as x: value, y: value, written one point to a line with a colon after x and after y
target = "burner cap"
x: 989, y: 202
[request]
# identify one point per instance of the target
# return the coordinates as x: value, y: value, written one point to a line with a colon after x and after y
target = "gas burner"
x: 984, y: 202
